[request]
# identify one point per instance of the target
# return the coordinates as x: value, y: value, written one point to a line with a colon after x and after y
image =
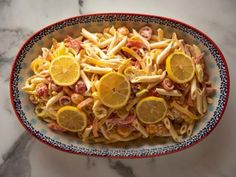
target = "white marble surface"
x: 22, y: 156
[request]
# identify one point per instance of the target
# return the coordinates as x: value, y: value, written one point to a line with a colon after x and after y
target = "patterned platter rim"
x: 122, y: 153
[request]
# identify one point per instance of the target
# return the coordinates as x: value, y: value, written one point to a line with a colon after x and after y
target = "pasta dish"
x: 120, y: 85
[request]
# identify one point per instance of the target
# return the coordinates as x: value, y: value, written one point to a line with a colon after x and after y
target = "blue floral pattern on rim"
x: 123, y: 18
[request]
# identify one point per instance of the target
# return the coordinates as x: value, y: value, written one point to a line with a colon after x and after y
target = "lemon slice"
x: 114, y: 90
x: 71, y: 118
x: 180, y: 67
x: 64, y: 70
x: 151, y: 109
x: 37, y: 63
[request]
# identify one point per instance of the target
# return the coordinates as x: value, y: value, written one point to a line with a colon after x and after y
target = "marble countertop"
x: 23, y: 156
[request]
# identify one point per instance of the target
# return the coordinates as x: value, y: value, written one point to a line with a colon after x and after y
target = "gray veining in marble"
x: 90, y: 163
x: 81, y: 4
x: 16, y: 160
x: 23, y: 157
x: 5, y: 2
x: 122, y: 169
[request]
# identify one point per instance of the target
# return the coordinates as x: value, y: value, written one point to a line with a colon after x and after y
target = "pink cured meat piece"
x: 137, y: 65
x: 56, y: 88
x: 198, y: 59
x: 80, y: 87
x: 146, y: 32
x: 75, y: 44
x: 152, y: 92
x: 42, y: 90
x: 168, y: 84
x: 135, y: 43
x: 210, y: 90
x: 54, y: 126
x: 65, y: 100
x: 84, y: 103
x: 118, y: 121
x: 123, y: 30
x: 135, y: 49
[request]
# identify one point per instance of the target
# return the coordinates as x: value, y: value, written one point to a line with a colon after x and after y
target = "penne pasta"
x: 116, y: 138
x: 99, y: 110
x: 100, y: 52
x: 199, y: 73
x: 160, y: 34
x: 199, y: 101
x: 185, y: 111
x: 140, y: 128
x: 197, y: 51
x: 154, y: 38
x: 168, y: 93
x: 145, y: 42
x: 90, y: 51
x: 183, y: 128
x: 123, y: 65
x: 152, y: 85
x: 173, y: 132
x: 101, y: 63
x: 80, y: 55
x: 86, y: 80
x: 210, y: 100
x: 43, y: 73
x: 113, y: 60
x: 135, y: 55
x: 193, y: 88
x: 187, y: 49
x: 108, y: 35
x: 39, y: 110
x: 54, y: 99
x: 29, y: 88
x: 149, y: 65
x: 149, y: 79
x: 160, y: 44
x: 132, y: 103
x: 113, y: 43
x: 115, y: 85
x: 103, y: 120
x: 204, y: 102
x: 177, y: 44
x: 105, y: 43
x: 85, y: 103
x: 96, y: 70
x: 104, y: 132
x: 181, y: 47
x: 87, y: 132
x: 174, y: 37
x: 50, y: 113
x: 38, y: 80
x: 190, y: 128
x: 142, y: 92
x: 89, y: 36
x: 122, y: 113
x: 160, y: 58
x: 118, y: 47
x: 112, y: 30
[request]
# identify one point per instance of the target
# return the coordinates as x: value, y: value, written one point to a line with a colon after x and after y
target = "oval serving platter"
x: 215, y: 62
